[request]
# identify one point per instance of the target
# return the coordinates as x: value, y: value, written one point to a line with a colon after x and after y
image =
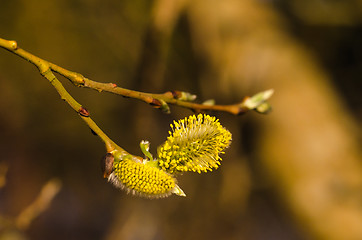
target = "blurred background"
x: 293, y: 174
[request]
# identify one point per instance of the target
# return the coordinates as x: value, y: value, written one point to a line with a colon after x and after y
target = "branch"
x: 182, y: 99
x: 45, y: 69
x: 125, y: 170
x: 39, y: 205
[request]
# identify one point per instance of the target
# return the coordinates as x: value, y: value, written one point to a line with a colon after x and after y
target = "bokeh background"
x: 293, y: 174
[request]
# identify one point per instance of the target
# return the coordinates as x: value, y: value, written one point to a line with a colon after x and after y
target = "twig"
x: 40, y: 204
x: 45, y: 69
x: 110, y: 170
x: 182, y: 99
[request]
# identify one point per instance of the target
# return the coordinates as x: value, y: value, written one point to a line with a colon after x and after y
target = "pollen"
x: 194, y: 144
x: 140, y: 179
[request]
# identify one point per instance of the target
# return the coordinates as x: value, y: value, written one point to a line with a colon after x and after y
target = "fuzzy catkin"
x: 140, y: 179
x: 194, y: 145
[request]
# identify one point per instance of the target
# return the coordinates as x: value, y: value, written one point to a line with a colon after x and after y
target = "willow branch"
x: 182, y: 99
x: 83, y: 112
x: 45, y: 69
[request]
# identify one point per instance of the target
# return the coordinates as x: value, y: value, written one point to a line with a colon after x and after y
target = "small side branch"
x: 45, y: 69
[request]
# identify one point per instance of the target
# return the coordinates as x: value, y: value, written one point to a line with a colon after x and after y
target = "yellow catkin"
x: 140, y: 179
x: 194, y: 145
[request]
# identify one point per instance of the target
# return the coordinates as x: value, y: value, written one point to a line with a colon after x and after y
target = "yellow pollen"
x: 194, y: 145
x: 141, y: 179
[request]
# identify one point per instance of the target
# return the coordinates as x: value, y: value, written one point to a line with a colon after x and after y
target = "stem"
x: 156, y: 100
x: 83, y: 113
x: 45, y: 69
x: 161, y: 101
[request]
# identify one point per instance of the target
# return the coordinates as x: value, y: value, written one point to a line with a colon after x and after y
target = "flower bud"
x: 107, y: 164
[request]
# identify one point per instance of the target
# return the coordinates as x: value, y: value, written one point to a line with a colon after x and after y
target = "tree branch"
x: 45, y: 69
x: 182, y: 99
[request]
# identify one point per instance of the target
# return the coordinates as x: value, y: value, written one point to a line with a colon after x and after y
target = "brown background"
x: 293, y: 174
